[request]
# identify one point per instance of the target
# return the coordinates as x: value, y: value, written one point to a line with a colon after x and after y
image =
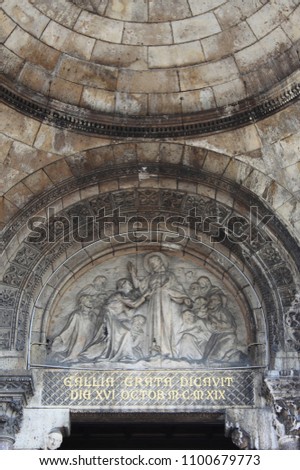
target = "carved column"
x: 284, y: 395
x: 15, y: 390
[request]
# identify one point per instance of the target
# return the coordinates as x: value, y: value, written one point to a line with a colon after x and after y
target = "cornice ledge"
x: 84, y: 121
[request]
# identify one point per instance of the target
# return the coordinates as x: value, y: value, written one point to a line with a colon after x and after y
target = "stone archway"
x: 216, y: 234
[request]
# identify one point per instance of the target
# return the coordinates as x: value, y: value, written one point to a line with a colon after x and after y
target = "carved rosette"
x: 15, y: 392
x: 283, y: 393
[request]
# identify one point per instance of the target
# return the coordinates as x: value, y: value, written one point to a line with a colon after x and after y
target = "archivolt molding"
x: 268, y: 267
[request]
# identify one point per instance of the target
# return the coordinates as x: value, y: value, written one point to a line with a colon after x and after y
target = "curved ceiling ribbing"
x: 150, y: 68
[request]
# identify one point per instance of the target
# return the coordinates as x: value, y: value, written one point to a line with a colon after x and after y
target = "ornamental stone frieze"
x: 15, y: 391
x: 283, y: 391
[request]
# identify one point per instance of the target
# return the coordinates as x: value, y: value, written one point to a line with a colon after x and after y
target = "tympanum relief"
x: 147, y: 311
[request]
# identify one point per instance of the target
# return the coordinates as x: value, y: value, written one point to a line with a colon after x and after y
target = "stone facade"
x: 136, y: 128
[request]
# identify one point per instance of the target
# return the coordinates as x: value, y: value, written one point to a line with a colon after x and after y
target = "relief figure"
x: 78, y: 332
x: 118, y: 319
x: 223, y: 343
x: 166, y: 297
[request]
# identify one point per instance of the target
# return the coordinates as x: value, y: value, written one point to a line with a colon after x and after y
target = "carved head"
x: 138, y: 321
x: 188, y: 317
x: 215, y: 302
x: 54, y: 439
x: 200, y: 303
x: 86, y: 301
x: 155, y: 262
x: 100, y: 282
x: 205, y: 285
x: 194, y: 290
x: 124, y: 285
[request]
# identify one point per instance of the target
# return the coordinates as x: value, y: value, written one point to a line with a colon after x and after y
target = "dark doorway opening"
x: 170, y: 432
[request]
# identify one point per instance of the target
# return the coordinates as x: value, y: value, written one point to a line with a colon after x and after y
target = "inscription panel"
x: 148, y: 390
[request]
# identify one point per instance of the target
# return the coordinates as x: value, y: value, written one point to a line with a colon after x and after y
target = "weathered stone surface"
x: 177, y: 55
x: 149, y: 34
x: 29, y: 48
x: 195, y: 28
x: 7, y: 26
x: 63, y: 39
x: 26, y: 16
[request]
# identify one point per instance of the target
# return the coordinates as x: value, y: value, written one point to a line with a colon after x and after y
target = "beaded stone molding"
x: 83, y: 121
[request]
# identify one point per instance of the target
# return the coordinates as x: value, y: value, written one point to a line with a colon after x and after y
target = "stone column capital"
x: 15, y: 391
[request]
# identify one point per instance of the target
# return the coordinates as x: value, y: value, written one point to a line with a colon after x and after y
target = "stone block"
x: 291, y: 25
x: 273, y: 45
x: 165, y: 103
x: 167, y: 183
x: 125, y: 153
x: 106, y: 186
x: 194, y: 156
x: 38, y: 182
x: 276, y: 195
x: 19, y: 195
x: 61, y: 38
x: 270, y: 16
x: 89, y: 191
x: 58, y: 171
x: 10, y: 63
x: 5, y: 145
x: 227, y: 42
x: 98, y: 100
x: 178, y: 55
x: 204, y: 6
x: 148, y: 81
x: 198, y: 27
x: 171, y: 153
x: 34, y: 51
x: 257, y: 182
x: 233, y: 12
x: 28, y: 159
x: 133, y: 104
x: 9, y: 177
x: 198, y: 100
x: 230, y: 92
x: 62, y: 142
x: 188, y: 187
x: 237, y: 171
x: 82, y: 72
x: 147, y: 152
x: 167, y: 10
x: 65, y: 91
x: 63, y: 12
x: 210, y: 74
x: 7, y: 210
x: 120, y: 55
x: 135, y: 10
x: 25, y: 15
x: 7, y: 26
x: 17, y: 125
x: 99, y: 27
x: 216, y: 163
x: 35, y: 78
x: 149, y: 34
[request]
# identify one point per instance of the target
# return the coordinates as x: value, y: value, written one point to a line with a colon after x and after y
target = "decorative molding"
x: 283, y: 393
x: 292, y: 321
x: 85, y: 121
x: 15, y: 391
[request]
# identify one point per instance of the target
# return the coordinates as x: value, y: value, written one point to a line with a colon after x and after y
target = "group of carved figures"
x: 147, y: 317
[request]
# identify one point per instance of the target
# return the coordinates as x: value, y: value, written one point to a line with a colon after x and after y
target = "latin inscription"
x: 150, y: 389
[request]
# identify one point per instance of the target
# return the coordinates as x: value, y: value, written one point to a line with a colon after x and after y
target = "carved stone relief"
x: 15, y: 391
x: 292, y: 321
x: 147, y: 311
